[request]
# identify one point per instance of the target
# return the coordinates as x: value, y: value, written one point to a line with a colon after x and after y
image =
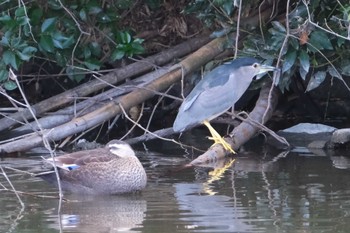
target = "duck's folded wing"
x: 81, y: 158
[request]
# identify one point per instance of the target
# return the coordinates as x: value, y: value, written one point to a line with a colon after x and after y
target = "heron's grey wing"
x: 213, y: 79
x: 214, y: 99
x: 189, y: 101
x: 213, y: 102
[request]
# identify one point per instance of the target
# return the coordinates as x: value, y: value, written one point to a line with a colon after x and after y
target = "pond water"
x: 267, y: 191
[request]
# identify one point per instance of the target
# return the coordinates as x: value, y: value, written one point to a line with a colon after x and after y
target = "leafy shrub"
x: 78, y: 35
x: 315, y: 44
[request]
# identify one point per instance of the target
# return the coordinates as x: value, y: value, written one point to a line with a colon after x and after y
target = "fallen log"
x: 118, y: 75
x: 113, y: 108
x: 54, y: 119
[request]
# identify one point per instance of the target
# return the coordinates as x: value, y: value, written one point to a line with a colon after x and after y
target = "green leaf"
x: 94, y: 9
x: 57, y: 43
x: 9, y: 58
x: 5, y: 42
x: 123, y: 37
x: 19, y: 12
x: 22, y: 56
x: 54, y: 5
x: 227, y: 7
x: 92, y: 64
x: 27, y: 30
x: 319, y: 40
x: 95, y: 48
x: 278, y: 26
x: 60, y: 59
x: 75, y: 73
x: 10, y: 85
x: 117, y: 54
x: 35, y: 16
x: 289, y: 60
x: 345, y: 67
x: 5, y: 18
x: 8, y: 22
x: 137, y: 48
x: 48, y: 24
x: 284, y: 81
x: 68, y: 42
x: 302, y: 73
x: 83, y: 15
x: 294, y: 43
x: 86, y: 52
x: 26, y: 53
x: 304, y: 60
x: 46, y: 43
x: 4, y: 74
x: 17, y: 43
x: 29, y: 50
x: 340, y: 41
x: 316, y: 80
x: 22, y: 20
x: 333, y: 72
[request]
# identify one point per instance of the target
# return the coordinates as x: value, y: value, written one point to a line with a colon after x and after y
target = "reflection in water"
x: 205, y: 206
x: 102, y: 214
x: 206, y: 212
x: 292, y: 192
x: 340, y: 161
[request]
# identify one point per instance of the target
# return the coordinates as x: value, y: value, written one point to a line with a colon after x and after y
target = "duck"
x: 113, y: 169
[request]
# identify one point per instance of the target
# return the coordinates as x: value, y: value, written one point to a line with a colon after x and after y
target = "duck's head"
x: 120, y: 149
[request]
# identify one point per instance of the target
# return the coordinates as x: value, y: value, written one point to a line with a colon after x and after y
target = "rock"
x: 309, y: 128
x: 305, y: 135
x: 341, y: 136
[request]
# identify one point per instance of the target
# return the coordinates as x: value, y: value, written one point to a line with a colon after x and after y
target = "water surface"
x: 258, y: 192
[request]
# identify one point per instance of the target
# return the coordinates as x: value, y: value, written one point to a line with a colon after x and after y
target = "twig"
x: 141, y: 127
x: 155, y: 135
x: 276, y: 74
x: 262, y: 127
x: 237, y: 28
x: 137, y: 121
x: 74, y: 19
x: 12, y: 187
x: 28, y: 21
x: 44, y: 139
x: 156, y: 105
x: 20, y: 171
x: 322, y: 28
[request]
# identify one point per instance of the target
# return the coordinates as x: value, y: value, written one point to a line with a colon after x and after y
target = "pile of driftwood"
x: 64, y: 115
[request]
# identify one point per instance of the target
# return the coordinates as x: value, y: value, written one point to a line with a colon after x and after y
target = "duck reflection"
x: 99, y: 214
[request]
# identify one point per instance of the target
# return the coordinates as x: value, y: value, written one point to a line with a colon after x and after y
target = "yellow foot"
x: 217, y: 138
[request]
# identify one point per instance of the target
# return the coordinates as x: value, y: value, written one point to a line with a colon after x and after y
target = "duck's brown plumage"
x: 101, y: 171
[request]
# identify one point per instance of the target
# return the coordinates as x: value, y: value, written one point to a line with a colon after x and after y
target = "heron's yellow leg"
x: 217, y: 138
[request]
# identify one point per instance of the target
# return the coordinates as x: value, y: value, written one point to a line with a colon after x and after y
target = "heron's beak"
x: 265, y: 68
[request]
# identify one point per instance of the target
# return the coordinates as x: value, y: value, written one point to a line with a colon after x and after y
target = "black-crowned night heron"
x: 110, y: 170
x: 217, y: 92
